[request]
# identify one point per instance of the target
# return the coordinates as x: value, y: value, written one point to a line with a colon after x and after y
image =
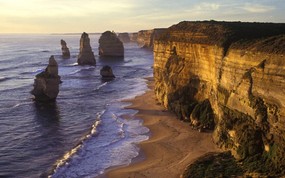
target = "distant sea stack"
x: 110, y: 45
x: 146, y: 38
x: 133, y: 37
x: 229, y: 76
x: 46, y: 84
x: 107, y: 73
x: 64, y: 49
x: 86, y: 55
x: 124, y: 37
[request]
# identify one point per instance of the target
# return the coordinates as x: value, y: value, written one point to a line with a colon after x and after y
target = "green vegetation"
x: 214, y: 165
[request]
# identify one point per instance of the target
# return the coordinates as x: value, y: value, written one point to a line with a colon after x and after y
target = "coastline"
x: 172, y: 145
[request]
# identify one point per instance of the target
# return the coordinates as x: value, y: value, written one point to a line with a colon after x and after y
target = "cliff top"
x: 269, y: 37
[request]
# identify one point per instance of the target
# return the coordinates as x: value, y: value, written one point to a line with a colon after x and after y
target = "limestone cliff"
x: 145, y: 38
x: 229, y: 76
x: 124, y: 37
x: 133, y: 37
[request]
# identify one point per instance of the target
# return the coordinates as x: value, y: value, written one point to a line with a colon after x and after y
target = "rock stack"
x: 46, y: 84
x: 64, y: 49
x: 110, y: 45
x: 124, y: 37
x: 107, y: 73
x: 133, y: 37
x: 86, y: 55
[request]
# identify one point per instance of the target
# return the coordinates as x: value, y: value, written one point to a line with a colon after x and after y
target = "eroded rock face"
x: 46, y: 84
x: 86, y: 55
x: 110, y: 45
x: 107, y: 73
x: 239, y: 68
x: 64, y: 49
x: 146, y: 38
x: 133, y: 37
x: 124, y: 37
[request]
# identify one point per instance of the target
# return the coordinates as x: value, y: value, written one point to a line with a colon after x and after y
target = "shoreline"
x: 172, y: 144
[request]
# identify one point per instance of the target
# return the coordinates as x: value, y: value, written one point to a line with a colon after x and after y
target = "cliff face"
x: 146, y: 38
x: 230, y: 77
x: 124, y: 37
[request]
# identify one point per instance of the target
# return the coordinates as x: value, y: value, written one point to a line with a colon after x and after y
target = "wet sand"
x: 172, y: 146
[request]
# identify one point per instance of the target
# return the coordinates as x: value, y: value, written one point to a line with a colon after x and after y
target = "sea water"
x: 83, y: 132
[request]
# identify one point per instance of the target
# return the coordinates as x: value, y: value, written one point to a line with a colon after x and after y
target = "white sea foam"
x: 123, y: 135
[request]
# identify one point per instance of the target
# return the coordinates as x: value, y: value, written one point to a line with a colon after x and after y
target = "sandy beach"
x: 172, y: 146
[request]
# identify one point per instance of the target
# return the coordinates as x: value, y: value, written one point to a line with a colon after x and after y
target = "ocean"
x: 83, y: 133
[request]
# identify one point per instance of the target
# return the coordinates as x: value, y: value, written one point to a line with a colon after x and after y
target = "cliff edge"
x: 229, y: 77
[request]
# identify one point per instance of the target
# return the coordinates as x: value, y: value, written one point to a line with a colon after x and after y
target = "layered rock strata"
x: 146, y: 38
x: 230, y: 77
x: 107, y: 73
x: 46, y: 84
x: 86, y: 55
x: 110, y: 45
x: 64, y: 49
x: 124, y: 37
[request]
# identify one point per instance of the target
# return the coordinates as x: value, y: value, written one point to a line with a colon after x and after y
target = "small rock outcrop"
x: 124, y: 37
x: 46, y: 84
x: 86, y: 55
x: 110, y: 45
x: 64, y: 49
x: 107, y: 73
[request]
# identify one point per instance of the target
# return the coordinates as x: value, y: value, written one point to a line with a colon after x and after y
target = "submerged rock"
x: 124, y: 37
x: 86, y: 55
x: 64, y: 49
x: 110, y: 45
x: 107, y: 73
x: 46, y: 84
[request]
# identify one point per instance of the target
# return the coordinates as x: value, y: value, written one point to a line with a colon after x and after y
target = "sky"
x: 76, y: 16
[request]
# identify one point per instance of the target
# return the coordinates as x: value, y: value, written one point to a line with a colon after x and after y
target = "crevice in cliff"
x: 226, y: 48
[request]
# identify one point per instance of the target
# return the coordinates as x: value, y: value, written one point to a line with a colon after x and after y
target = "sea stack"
x: 64, y: 49
x: 86, y: 55
x: 107, y: 73
x: 46, y: 84
x: 110, y: 45
x: 124, y: 37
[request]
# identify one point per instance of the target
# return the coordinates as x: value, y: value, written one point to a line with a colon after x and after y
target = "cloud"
x: 257, y: 8
x: 206, y: 7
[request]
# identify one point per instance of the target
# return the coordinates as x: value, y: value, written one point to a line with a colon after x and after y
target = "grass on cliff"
x: 265, y: 37
x: 214, y: 165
